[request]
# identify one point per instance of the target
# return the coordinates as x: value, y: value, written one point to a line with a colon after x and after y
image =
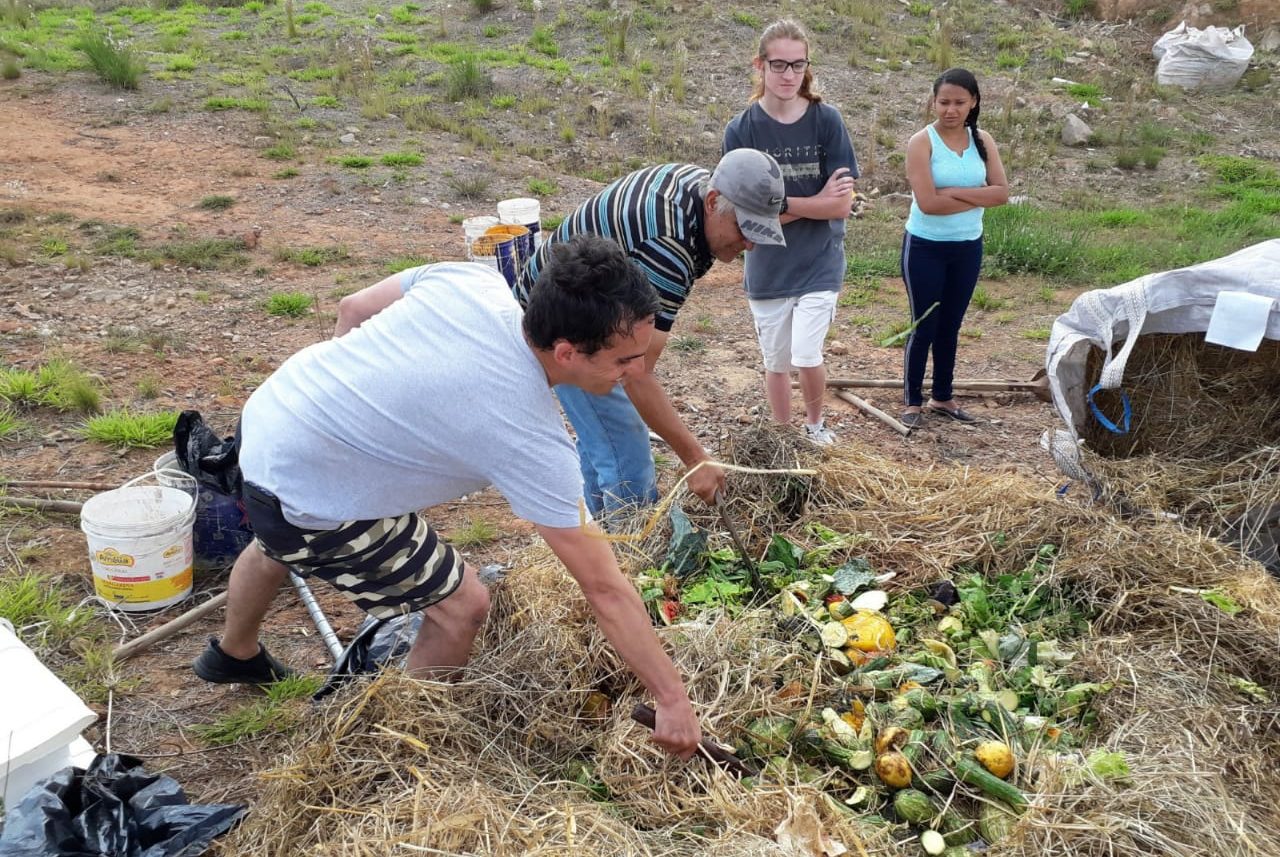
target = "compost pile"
x: 1204, y: 442
x: 939, y: 661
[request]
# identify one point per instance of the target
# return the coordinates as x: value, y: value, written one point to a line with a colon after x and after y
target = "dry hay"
x: 483, y: 766
x: 1205, y: 438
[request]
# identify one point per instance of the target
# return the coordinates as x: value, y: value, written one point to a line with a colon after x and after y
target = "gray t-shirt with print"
x: 809, y: 150
x: 437, y: 395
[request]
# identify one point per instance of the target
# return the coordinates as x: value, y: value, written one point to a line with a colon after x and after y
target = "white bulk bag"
x: 1212, y: 58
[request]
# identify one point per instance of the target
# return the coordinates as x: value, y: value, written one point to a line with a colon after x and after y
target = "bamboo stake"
x: 871, y: 410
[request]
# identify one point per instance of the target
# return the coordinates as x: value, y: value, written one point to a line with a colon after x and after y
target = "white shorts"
x: 791, y: 330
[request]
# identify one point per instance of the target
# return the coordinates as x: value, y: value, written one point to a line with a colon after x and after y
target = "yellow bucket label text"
x: 173, y: 551
x: 144, y: 591
x: 111, y: 556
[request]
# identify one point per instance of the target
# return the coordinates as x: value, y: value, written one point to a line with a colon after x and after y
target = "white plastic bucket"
x: 40, y: 721
x: 140, y: 544
x: 473, y: 228
x: 525, y: 212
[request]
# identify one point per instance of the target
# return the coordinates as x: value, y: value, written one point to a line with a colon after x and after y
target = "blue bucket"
x: 502, y: 251
x: 221, y: 530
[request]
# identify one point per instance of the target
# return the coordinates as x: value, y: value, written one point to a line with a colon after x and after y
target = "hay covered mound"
x: 496, y: 764
x: 1204, y: 442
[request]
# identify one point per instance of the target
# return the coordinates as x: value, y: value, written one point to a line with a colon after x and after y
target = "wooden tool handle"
x: 646, y: 716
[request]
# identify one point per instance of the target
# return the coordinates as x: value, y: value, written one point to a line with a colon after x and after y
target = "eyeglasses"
x: 779, y: 66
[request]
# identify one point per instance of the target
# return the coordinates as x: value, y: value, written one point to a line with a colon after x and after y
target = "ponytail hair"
x: 784, y: 28
x: 965, y: 79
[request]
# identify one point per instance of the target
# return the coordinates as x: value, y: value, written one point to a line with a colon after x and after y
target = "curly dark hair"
x: 589, y: 291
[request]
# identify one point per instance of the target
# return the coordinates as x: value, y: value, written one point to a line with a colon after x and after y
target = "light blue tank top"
x: 950, y: 170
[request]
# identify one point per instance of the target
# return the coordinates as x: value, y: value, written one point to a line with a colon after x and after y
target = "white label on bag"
x: 1239, y: 320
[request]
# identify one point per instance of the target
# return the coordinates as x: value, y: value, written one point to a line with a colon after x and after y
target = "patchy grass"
x: 542, y: 187
x: 404, y: 263
x: 289, y: 304
x: 401, y: 159
x: 476, y: 533
x: 279, y: 152
x: 312, y: 257
x: 126, y: 428
x: 985, y: 301
x: 355, y: 162
x: 216, y: 202
x: 1037, y: 334
x: 58, y: 384
x: 687, y: 344
x: 38, y: 610
x: 286, y: 702
x: 10, y: 424
x: 467, y: 78
x: 209, y: 254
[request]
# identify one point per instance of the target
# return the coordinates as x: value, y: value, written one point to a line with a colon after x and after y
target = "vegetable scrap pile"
x: 926, y: 700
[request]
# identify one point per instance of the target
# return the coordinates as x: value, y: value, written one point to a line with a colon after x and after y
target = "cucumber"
x: 968, y: 770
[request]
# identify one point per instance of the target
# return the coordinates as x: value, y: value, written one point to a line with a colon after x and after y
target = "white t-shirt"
x: 436, y: 396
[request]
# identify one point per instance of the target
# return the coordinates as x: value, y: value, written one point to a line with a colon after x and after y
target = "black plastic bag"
x: 377, y: 643
x: 214, y: 461
x: 113, y: 809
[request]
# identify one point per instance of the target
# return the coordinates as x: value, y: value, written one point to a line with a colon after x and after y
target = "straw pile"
x: 1205, y: 438
x: 486, y: 766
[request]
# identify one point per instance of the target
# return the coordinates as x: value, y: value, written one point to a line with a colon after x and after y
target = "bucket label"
x: 132, y: 591
x: 111, y: 556
x: 173, y: 551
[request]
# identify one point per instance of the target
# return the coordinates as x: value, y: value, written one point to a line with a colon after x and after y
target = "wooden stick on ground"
x: 1038, y: 387
x: 168, y: 629
x: 871, y: 410
x: 42, y: 504
x: 36, y: 483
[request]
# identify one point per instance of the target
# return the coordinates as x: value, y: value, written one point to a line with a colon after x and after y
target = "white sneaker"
x: 820, y: 434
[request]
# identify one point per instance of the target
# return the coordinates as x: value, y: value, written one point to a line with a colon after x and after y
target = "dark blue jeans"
x: 945, y: 273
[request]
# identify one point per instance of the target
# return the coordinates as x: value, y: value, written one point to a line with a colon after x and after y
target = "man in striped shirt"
x: 674, y: 221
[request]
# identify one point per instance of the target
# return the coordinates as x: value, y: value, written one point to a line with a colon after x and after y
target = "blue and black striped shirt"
x: 656, y: 215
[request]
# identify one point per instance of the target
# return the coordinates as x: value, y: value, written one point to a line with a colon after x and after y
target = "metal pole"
x: 327, y: 634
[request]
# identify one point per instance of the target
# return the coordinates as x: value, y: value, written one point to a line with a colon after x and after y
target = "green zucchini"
x: 939, y: 781
x: 969, y: 771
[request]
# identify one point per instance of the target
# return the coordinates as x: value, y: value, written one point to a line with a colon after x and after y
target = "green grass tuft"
x: 125, y: 428
x: 217, y: 202
x: 9, y: 423
x: 112, y: 60
x: 466, y: 78
x: 542, y: 187
x: 476, y: 533
x: 401, y: 159
x: 312, y: 257
x: 36, y: 607
x: 283, y: 707
x: 289, y: 304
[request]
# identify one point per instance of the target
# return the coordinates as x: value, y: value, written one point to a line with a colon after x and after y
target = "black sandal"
x: 912, y: 419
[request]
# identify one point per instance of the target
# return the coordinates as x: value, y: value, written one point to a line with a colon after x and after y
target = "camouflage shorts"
x: 386, y: 566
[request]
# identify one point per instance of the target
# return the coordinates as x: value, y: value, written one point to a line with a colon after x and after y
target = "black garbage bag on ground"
x: 377, y: 643
x: 214, y: 461
x: 113, y: 809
